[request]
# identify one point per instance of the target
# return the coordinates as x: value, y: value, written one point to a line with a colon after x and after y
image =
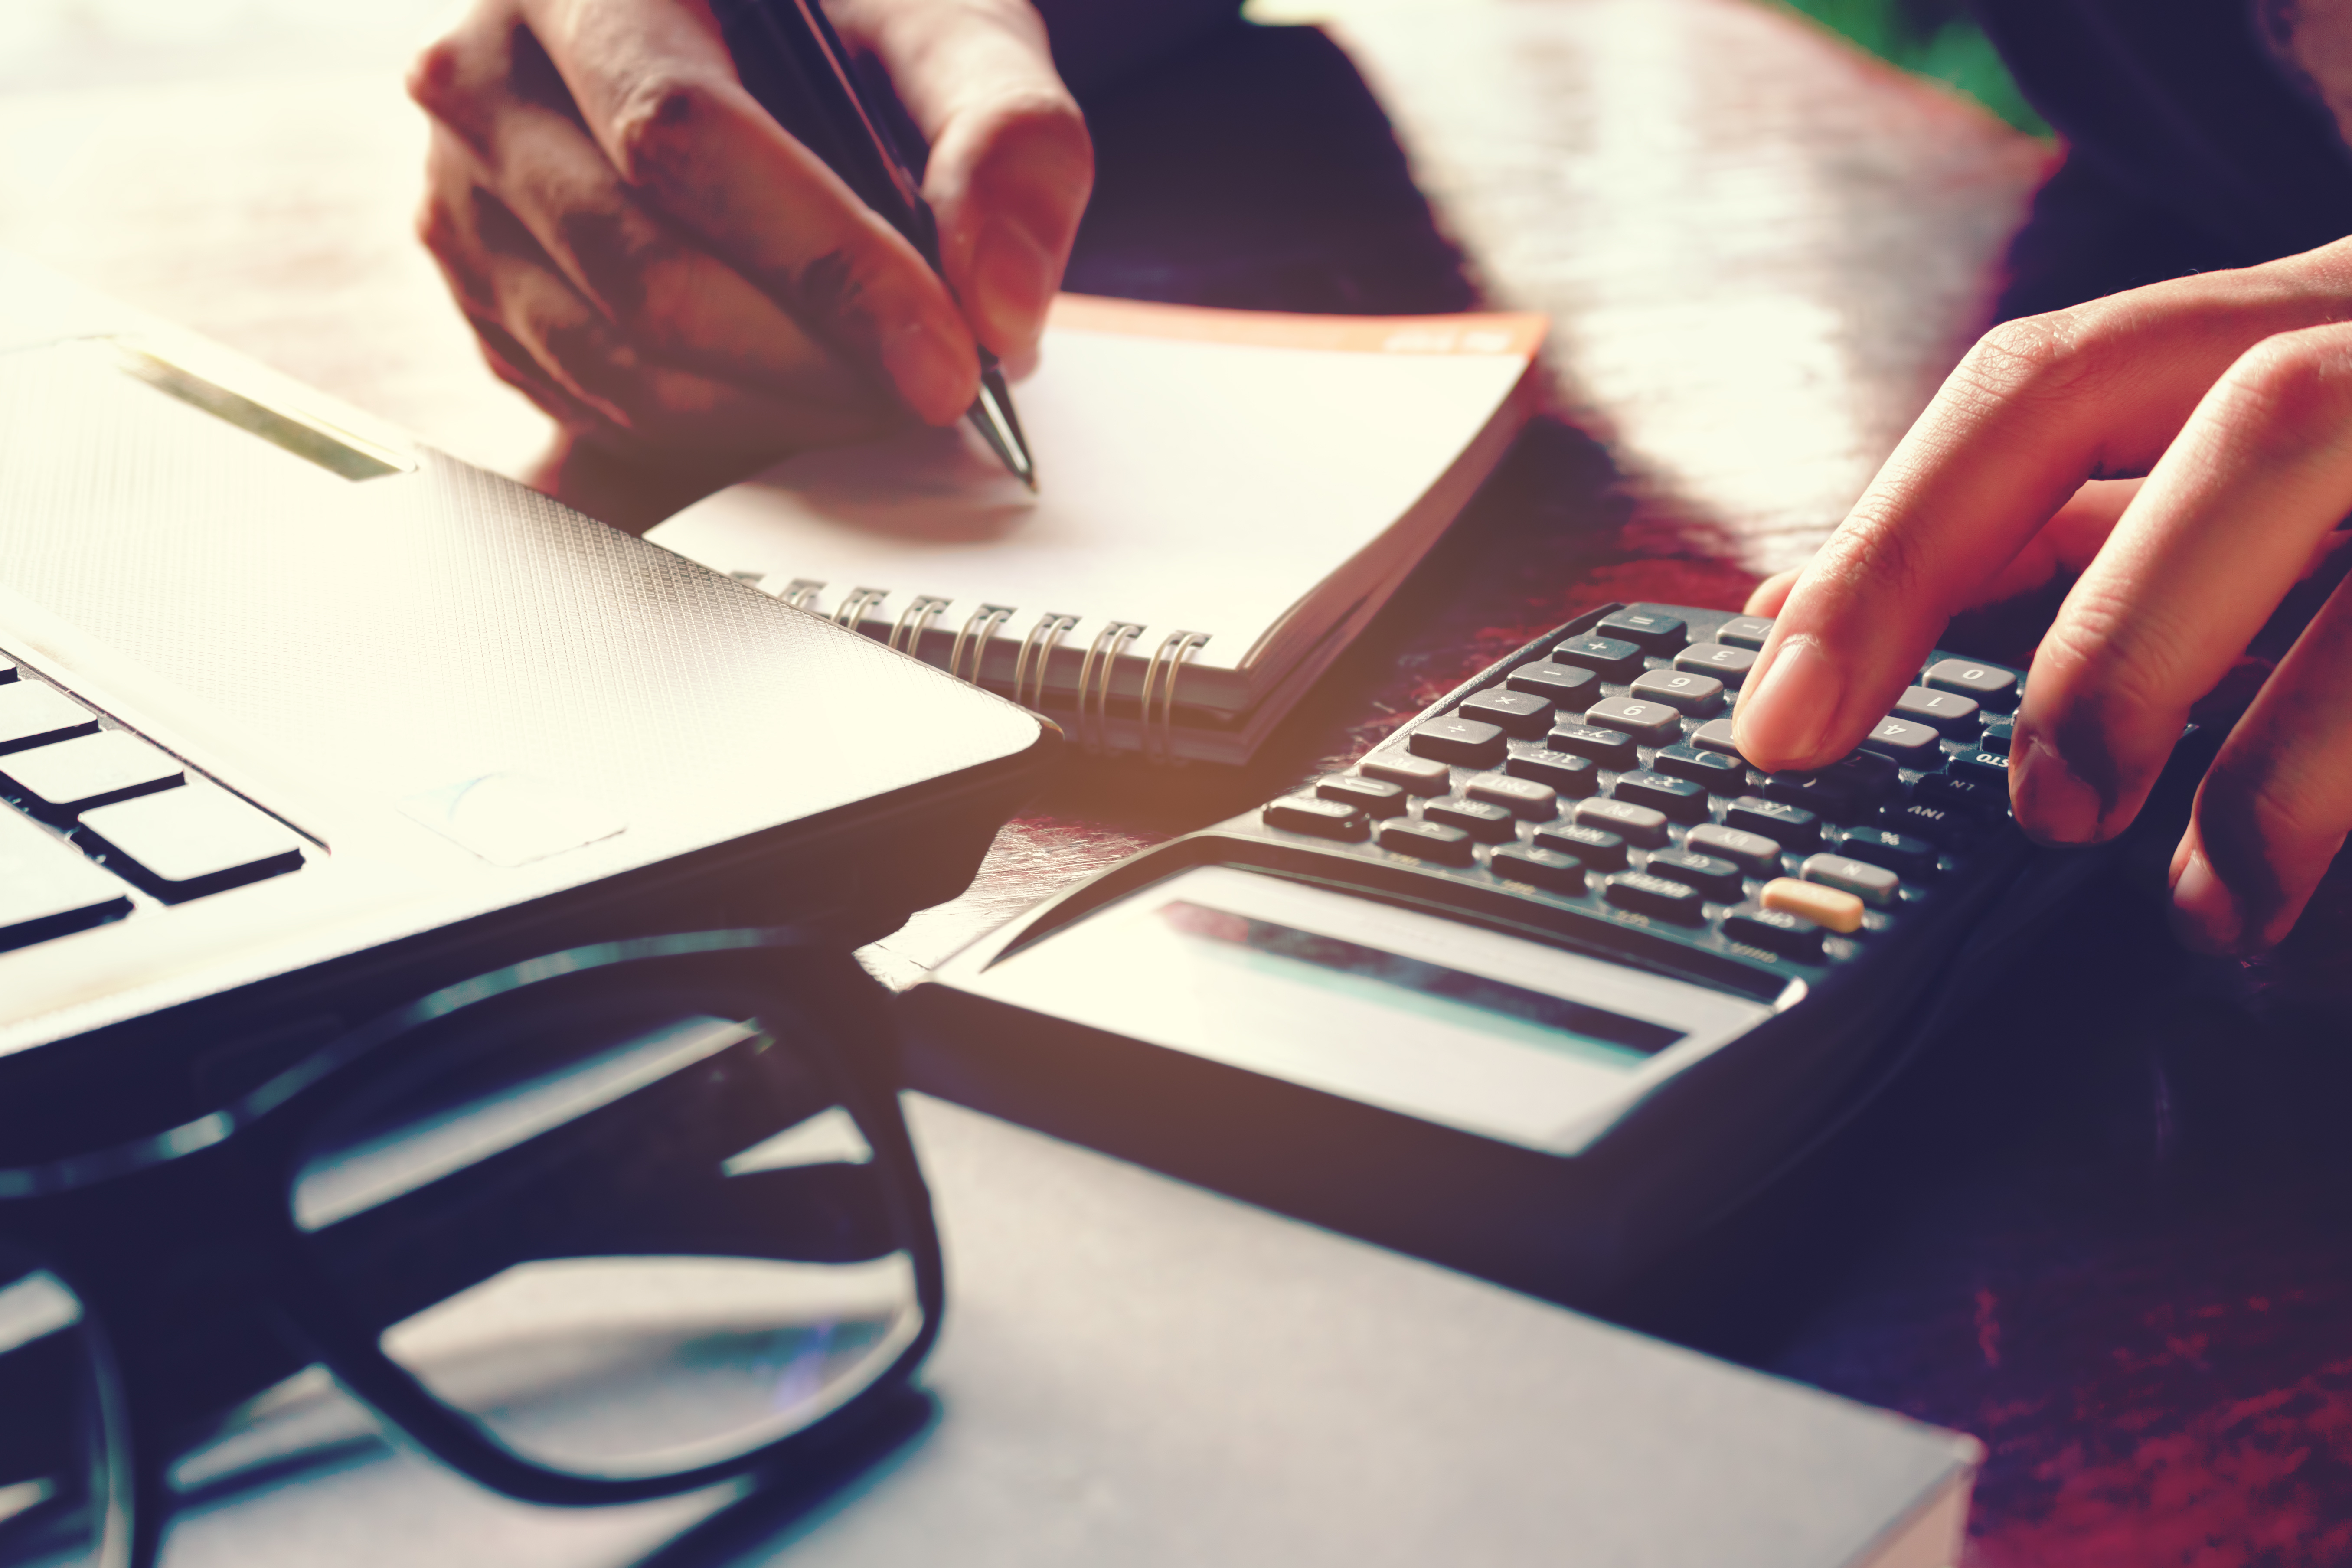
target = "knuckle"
x: 654, y: 121
x: 2288, y: 394
x: 1873, y: 554
x: 2251, y: 800
x: 432, y: 76
x: 2105, y: 656
x: 2035, y: 362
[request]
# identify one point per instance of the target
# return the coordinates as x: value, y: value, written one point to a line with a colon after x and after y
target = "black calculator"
x: 1546, y: 982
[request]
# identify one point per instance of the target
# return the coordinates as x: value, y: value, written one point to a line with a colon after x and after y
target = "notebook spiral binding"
x: 1156, y: 709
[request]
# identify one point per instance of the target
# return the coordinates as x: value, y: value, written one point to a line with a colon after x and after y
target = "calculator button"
x: 32, y: 714
x: 1711, y: 769
x: 1539, y: 866
x: 1655, y: 897
x: 1468, y: 742
x: 1872, y: 884
x: 1642, y: 825
x: 1606, y: 657
x: 1728, y: 665
x: 1680, y: 690
x: 1373, y: 797
x: 1519, y: 713
x: 1996, y: 734
x: 1744, y: 631
x: 59, y: 780
x: 1596, y: 846
x: 1562, y: 683
x: 1482, y: 820
x: 1946, y: 712
x: 1679, y: 798
x: 1652, y: 723
x: 1937, y: 823
x: 1651, y: 632
x: 1610, y: 748
x: 1718, y: 879
x: 1715, y: 735
x: 1962, y: 794
x: 1414, y: 775
x: 193, y: 839
x: 47, y: 889
x: 1837, y: 910
x: 1428, y: 840
x: 1821, y: 794
x: 1792, y: 826
x: 1869, y: 775
x: 1912, y: 744
x: 1987, y: 768
x: 1751, y: 852
x: 1995, y: 688
x: 1323, y: 819
x: 1776, y: 930
x: 1563, y: 770
x: 1520, y: 797
x: 1906, y: 856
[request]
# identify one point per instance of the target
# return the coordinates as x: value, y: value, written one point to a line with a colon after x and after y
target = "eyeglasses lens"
x: 622, y: 1249
x: 57, y: 1486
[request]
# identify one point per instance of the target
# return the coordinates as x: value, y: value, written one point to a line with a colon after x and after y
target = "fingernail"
x: 2204, y: 911
x: 935, y: 376
x: 1013, y: 283
x: 2052, y: 804
x: 1779, y: 722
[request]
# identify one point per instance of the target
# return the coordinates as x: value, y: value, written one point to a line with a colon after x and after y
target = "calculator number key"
x: 1696, y: 695
x: 1913, y: 745
x: 1652, y: 723
x: 1993, y: 689
x: 1728, y: 664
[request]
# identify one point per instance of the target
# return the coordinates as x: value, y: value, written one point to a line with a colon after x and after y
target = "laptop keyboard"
x: 99, y: 823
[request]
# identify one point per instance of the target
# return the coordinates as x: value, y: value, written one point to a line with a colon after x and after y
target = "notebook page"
x: 1206, y: 469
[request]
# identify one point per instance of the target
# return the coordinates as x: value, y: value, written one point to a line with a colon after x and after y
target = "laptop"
x: 300, y: 718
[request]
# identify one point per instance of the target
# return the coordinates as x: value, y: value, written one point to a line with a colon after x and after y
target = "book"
x: 1226, y: 498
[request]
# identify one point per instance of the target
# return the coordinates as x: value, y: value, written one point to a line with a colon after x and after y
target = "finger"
x: 657, y: 91
x: 2066, y: 543
x: 2217, y: 535
x: 2035, y: 409
x: 1772, y: 593
x: 2273, y: 810
x: 1011, y: 164
x: 630, y: 401
x: 508, y: 126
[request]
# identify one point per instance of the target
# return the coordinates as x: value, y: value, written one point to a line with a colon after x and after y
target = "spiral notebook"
x: 1226, y: 498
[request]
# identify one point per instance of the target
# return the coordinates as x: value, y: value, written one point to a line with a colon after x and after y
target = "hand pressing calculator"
x: 1544, y: 983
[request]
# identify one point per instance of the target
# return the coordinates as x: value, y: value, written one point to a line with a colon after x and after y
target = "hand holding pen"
x: 648, y: 255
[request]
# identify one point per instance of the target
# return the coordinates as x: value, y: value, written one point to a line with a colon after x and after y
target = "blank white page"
x: 1199, y: 468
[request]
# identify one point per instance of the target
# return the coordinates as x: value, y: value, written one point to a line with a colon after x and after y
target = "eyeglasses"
x: 608, y: 1225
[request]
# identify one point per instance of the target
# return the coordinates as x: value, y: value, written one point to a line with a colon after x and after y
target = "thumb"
x: 1011, y: 163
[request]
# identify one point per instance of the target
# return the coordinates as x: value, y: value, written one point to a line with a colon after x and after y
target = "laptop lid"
x: 482, y: 719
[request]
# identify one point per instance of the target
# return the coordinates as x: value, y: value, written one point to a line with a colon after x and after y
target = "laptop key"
x: 32, y: 714
x: 59, y: 780
x: 193, y: 840
x: 46, y: 889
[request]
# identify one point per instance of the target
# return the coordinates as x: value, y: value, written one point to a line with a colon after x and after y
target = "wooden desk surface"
x: 2104, y: 1230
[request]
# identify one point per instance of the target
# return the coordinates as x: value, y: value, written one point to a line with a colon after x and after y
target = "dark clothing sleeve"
x: 2190, y: 146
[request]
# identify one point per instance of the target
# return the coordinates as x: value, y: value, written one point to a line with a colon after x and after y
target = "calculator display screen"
x: 1412, y: 984
x: 1497, y: 1035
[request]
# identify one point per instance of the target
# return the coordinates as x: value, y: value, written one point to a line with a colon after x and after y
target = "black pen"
x: 792, y: 61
